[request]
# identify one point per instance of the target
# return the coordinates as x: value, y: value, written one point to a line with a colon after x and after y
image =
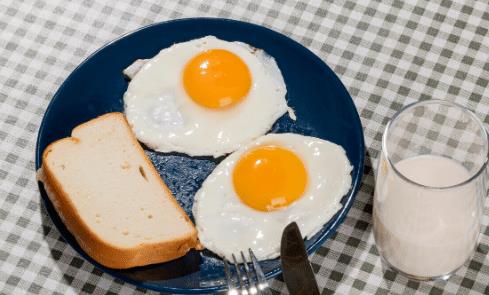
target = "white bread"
x: 112, y: 199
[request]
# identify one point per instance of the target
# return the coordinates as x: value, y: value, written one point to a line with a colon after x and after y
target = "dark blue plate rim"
x: 340, y: 216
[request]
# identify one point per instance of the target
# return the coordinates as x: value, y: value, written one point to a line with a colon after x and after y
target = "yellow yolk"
x: 216, y: 78
x: 269, y: 177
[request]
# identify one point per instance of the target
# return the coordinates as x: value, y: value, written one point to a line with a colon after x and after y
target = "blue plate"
x: 323, y: 107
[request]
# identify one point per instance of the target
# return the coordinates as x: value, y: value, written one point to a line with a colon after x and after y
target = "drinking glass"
x: 430, y: 186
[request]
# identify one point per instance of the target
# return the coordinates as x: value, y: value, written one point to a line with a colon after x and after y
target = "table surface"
x: 386, y: 54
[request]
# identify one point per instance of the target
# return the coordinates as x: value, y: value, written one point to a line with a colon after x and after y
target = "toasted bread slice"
x: 112, y: 199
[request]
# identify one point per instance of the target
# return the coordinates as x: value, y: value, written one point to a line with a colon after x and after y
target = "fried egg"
x: 205, y: 97
x: 253, y: 194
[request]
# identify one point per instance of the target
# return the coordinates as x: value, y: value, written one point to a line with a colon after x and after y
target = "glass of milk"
x: 430, y: 187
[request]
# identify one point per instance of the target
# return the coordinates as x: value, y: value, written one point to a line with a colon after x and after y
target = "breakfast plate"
x: 322, y: 105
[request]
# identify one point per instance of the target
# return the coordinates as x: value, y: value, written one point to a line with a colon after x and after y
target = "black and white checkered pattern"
x: 387, y: 53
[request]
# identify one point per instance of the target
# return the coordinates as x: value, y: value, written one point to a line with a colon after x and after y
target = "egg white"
x: 166, y: 119
x: 225, y: 225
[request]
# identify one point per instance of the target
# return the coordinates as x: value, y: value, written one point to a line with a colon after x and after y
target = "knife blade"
x: 296, y: 269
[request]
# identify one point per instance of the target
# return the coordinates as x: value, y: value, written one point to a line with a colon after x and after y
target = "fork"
x: 256, y: 281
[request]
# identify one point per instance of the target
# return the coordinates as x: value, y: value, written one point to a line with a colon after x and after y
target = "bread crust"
x: 105, y: 253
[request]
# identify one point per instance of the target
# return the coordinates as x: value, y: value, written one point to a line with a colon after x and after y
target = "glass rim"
x: 385, y: 151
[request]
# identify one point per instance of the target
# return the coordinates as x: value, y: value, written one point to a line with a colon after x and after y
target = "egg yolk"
x: 216, y: 79
x: 269, y: 177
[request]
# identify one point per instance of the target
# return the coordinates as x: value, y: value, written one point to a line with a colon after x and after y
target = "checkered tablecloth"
x: 387, y: 53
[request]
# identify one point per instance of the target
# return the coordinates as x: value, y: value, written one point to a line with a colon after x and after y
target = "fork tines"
x: 253, y: 280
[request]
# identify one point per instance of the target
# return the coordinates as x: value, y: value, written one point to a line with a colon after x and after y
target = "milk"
x: 420, y: 231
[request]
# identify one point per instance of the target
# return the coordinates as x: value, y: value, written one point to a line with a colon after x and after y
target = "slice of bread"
x: 112, y: 199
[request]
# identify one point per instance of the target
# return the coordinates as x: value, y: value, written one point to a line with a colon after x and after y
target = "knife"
x: 296, y: 269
